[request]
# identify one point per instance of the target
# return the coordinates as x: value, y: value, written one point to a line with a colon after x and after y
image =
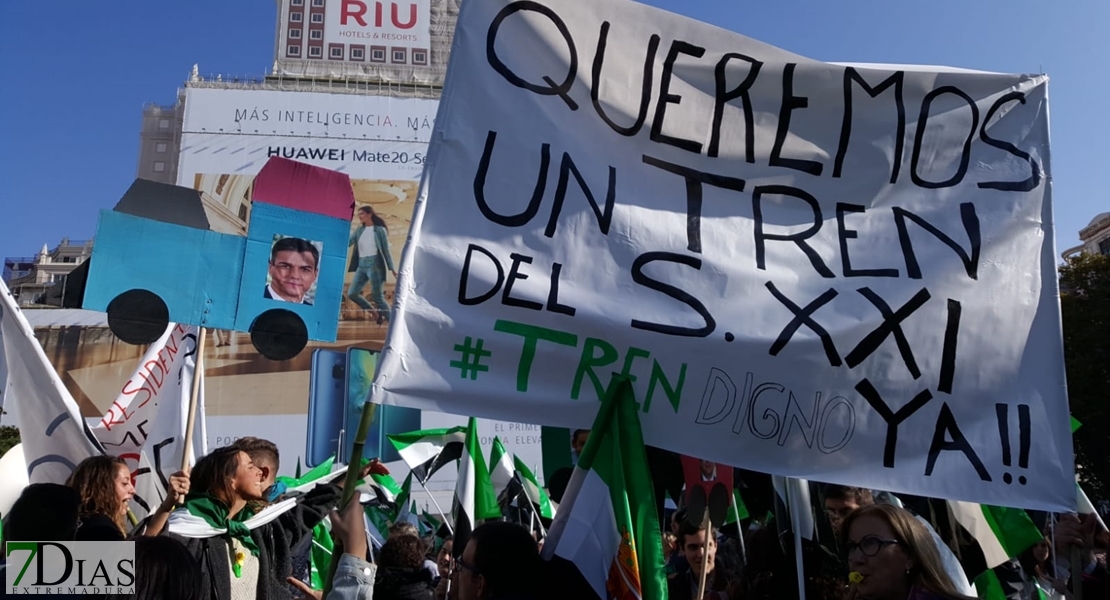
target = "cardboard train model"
x: 156, y: 261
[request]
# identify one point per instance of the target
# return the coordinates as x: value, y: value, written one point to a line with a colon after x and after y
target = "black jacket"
x: 275, y: 542
x: 394, y: 583
x: 98, y: 528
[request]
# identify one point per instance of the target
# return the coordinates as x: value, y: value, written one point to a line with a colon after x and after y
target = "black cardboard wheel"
x: 279, y: 334
x: 138, y: 317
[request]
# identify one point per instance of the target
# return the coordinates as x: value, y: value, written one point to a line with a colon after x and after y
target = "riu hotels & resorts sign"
x: 69, y: 568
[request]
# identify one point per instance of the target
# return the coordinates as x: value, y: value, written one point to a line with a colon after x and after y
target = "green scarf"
x: 214, y: 512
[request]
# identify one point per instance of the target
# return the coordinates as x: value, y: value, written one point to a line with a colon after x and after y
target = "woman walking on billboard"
x: 370, y: 260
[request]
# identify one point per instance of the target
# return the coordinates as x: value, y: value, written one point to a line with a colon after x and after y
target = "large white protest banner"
x: 834, y: 272
x: 145, y: 425
x: 55, y: 438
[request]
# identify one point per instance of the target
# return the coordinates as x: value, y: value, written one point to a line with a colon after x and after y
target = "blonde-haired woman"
x: 892, y: 557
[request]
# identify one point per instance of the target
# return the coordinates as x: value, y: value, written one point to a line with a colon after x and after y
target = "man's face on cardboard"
x: 292, y: 274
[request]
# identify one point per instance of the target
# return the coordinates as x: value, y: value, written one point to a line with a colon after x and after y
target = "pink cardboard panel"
x: 295, y: 185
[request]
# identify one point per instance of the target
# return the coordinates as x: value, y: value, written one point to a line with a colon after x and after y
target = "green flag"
x: 500, y: 467
x: 320, y: 557
x: 1003, y: 533
x: 536, y: 494
x: 607, y: 525
x: 741, y: 511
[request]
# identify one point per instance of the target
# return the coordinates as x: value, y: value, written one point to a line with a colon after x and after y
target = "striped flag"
x: 531, y: 488
x: 500, y: 467
x: 1003, y: 533
x: 384, y: 487
x: 428, y: 450
x: 474, y: 497
x: 607, y: 525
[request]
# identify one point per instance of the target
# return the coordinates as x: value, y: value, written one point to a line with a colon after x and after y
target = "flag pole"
x: 198, y: 371
x: 349, y: 484
x: 535, y: 504
x: 446, y: 518
x: 739, y: 529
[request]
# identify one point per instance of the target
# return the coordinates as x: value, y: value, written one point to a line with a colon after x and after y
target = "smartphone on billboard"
x: 361, y: 364
x: 327, y: 383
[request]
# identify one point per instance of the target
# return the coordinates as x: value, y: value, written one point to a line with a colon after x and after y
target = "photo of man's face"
x: 294, y: 266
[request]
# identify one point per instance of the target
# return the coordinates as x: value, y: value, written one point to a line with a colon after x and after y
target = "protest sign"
x: 145, y: 425
x: 832, y: 272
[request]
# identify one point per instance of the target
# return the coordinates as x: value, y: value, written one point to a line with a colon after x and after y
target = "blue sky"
x: 78, y: 73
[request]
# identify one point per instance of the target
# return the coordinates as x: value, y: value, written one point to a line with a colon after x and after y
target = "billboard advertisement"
x: 227, y: 137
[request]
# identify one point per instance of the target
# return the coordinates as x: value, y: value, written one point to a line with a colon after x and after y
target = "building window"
x: 293, y: 50
x: 1104, y: 247
x: 317, y: 18
x: 160, y: 147
x: 298, y: 2
x: 159, y: 166
x: 336, y: 51
x: 358, y: 53
x: 316, y: 34
x: 164, y: 124
x: 377, y: 54
x: 243, y: 212
x: 314, y: 51
x: 295, y: 34
x: 400, y: 56
x: 317, y: 2
x: 419, y: 56
x: 296, y: 17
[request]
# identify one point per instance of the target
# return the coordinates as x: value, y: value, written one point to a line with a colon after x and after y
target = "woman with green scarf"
x: 243, y: 550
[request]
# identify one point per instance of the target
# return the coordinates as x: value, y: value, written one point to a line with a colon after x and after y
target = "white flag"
x: 146, y: 423
x: 55, y: 437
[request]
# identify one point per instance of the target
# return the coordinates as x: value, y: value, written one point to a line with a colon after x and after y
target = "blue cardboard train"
x: 282, y: 282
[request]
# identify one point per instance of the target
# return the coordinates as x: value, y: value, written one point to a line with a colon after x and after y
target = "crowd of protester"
x: 203, y: 543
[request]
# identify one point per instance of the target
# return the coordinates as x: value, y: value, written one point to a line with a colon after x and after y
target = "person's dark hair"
x: 213, y: 474
x: 578, y: 432
x: 296, y: 245
x: 403, y: 528
x: 374, y: 218
x: 164, y: 570
x: 402, y: 552
x: 1030, y: 565
x: 259, y: 450
x: 45, y: 512
x: 860, y: 496
x: 686, y: 528
x: 507, y: 556
x: 95, y: 481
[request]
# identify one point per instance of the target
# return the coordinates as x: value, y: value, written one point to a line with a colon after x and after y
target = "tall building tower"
x: 386, y: 41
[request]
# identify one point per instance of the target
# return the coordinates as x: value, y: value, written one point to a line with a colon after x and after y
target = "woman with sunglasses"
x: 892, y: 557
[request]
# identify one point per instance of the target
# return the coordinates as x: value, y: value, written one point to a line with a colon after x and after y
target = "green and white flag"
x: 500, y: 467
x: 607, y: 525
x: 384, y: 487
x: 536, y: 494
x: 1003, y: 533
x: 474, y: 497
x: 738, y: 511
x: 428, y: 450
